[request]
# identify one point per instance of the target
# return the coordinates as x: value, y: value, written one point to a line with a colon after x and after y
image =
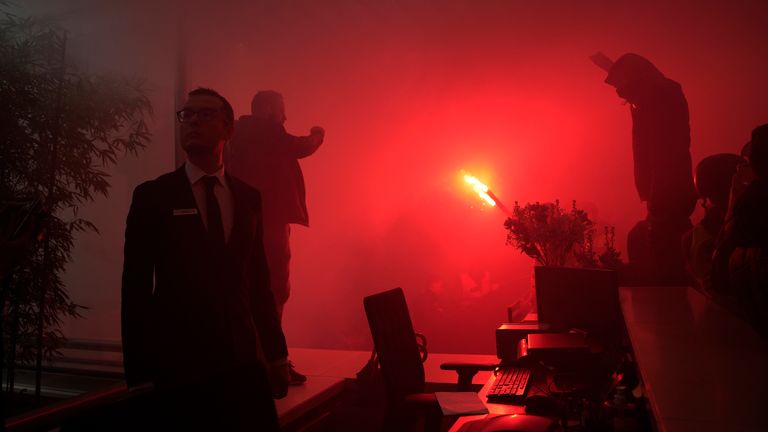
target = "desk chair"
x: 401, y: 364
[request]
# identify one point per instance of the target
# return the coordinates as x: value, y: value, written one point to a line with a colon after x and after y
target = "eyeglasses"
x: 187, y: 114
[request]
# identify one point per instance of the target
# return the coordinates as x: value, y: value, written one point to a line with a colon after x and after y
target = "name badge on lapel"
x: 184, y: 212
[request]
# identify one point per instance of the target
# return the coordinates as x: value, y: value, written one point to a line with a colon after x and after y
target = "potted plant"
x: 556, y: 239
x: 64, y: 127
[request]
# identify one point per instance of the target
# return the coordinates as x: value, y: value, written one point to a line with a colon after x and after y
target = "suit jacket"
x: 188, y: 312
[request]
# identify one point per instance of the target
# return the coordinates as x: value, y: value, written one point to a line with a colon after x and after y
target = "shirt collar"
x: 194, y: 174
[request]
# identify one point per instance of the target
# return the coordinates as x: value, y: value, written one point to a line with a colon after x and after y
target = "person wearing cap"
x: 662, y: 160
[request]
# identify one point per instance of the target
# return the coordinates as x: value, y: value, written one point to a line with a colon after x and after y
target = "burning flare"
x: 485, y: 193
x: 480, y: 188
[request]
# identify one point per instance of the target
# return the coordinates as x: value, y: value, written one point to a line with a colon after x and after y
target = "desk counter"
x: 703, y: 368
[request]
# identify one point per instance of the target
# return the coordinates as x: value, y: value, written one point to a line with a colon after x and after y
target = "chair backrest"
x: 395, y: 343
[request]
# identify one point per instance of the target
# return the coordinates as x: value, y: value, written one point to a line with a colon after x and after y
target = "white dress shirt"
x: 221, y: 190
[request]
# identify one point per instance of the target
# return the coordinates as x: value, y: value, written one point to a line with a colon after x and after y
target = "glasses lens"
x: 187, y: 114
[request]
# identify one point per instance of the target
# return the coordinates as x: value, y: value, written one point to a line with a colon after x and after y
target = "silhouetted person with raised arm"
x: 662, y: 159
x: 199, y: 319
x: 267, y: 157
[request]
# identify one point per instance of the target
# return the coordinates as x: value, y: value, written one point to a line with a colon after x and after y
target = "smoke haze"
x: 410, y: 93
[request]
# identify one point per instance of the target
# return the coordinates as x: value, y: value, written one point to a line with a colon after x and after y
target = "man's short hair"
x: 229, y: 113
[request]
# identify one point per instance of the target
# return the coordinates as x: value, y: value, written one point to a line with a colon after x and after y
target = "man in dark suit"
x: 199, y: 319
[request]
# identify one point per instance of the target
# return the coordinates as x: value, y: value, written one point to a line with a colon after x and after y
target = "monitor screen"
x: 585, y: 299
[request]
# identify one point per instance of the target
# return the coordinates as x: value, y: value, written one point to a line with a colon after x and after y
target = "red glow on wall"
x: 410, y: 93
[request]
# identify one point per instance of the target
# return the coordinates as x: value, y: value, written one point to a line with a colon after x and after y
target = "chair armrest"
x: 467, y: 371
x: 461, y: 366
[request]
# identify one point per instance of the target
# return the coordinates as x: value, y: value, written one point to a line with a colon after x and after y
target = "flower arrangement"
x: 555, y: 237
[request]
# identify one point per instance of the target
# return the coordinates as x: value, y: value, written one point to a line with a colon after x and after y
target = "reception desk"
x: 703, y: 368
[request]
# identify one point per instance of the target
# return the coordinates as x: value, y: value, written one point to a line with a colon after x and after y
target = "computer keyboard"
x: 510, y: 385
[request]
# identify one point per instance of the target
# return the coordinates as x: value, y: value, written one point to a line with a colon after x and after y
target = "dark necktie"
x: 213, y: 211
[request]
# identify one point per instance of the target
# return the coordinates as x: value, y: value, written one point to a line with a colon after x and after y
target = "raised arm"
x: 303, y: 146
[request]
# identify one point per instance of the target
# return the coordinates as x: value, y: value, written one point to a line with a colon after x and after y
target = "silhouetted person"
x: 266, y: 157
x: 750, y: 212
x: 662, y: 160
x: 713, y: 179
x: 747, y: 233
x: 199, y: 320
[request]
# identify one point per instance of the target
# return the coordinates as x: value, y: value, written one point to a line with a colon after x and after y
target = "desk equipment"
x: 546, y: 345
x: 563, y: 352
x: 584, y: 299
x: 510, y: 385
x: 509, y: 335
x: 460, y: 403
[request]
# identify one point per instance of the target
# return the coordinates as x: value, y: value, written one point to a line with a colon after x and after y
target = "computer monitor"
x: 586, y: 299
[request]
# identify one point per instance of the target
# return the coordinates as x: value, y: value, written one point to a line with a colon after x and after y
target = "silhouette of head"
x: 713, y: 177
x: 758, y: 153
x: 632, y: 74
x: 268, y: 105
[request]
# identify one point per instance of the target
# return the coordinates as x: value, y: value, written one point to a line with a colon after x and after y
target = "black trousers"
x: 666, y: 228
